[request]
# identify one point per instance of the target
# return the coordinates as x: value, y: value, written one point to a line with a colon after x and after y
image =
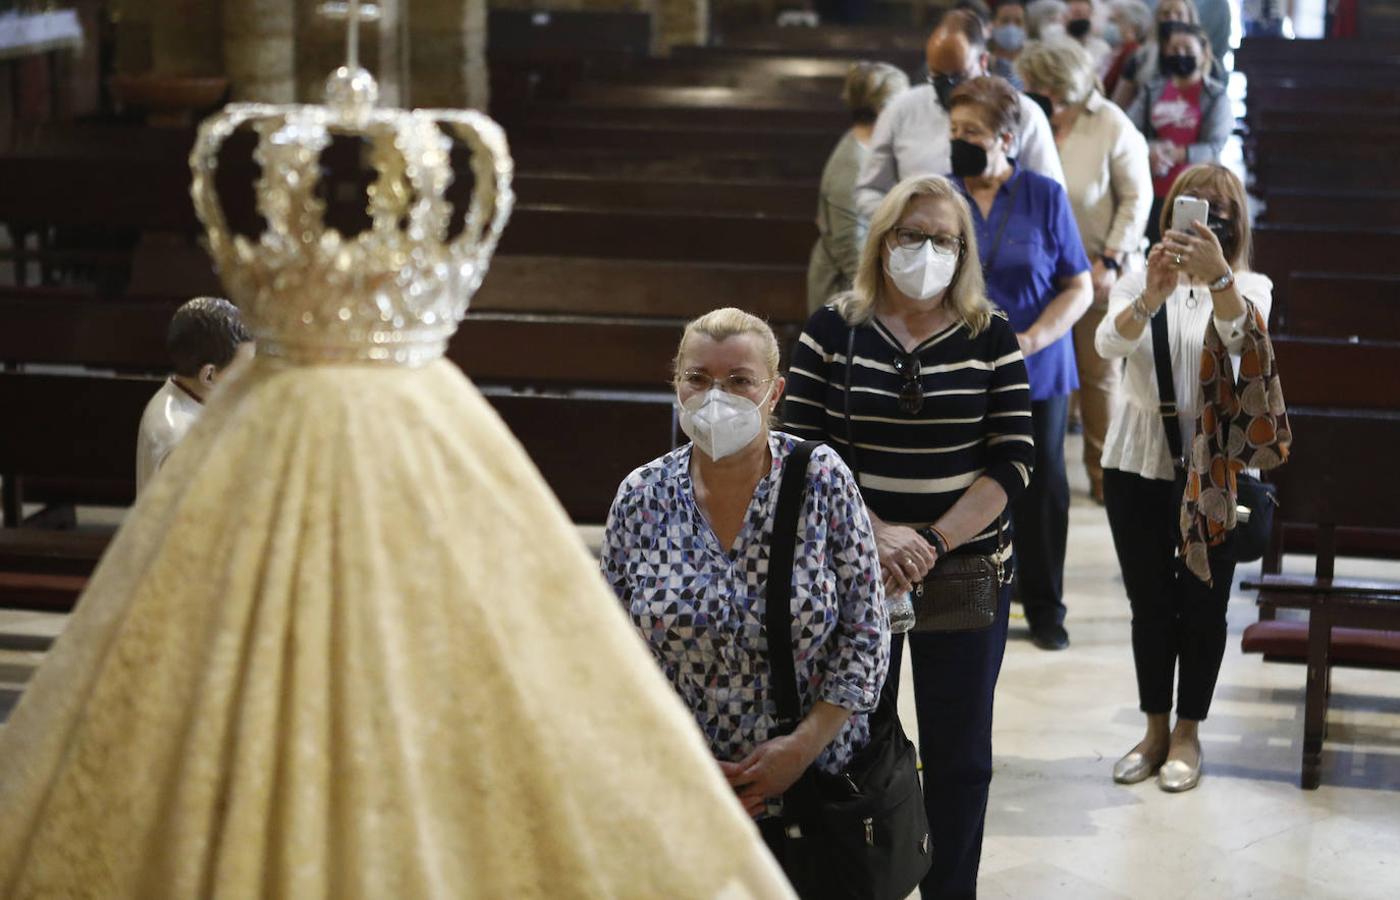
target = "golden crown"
x: 394, y: 291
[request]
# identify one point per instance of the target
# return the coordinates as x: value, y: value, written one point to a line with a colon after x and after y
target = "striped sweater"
x: 975, y: 420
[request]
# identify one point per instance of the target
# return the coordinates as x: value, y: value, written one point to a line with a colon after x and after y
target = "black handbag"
x: 962, y: 591
x: 1254, y: 499
x: 862, y: 834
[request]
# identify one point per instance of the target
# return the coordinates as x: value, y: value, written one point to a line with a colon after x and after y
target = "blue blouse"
x: 1040, y: 246
x: 700, y: 606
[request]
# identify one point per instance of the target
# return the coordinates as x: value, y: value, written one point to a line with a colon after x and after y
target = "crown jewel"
x: 392, y: 292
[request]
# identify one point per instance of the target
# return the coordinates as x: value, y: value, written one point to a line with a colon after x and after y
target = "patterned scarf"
x: 1242, y: 425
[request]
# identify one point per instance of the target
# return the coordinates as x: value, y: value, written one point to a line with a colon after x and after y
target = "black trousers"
x: 955, y: 677
x: 1178, y: 620
x: 1041, y: 518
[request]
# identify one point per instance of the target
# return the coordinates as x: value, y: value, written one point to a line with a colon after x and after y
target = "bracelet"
x: 1139, y: 310
x: 940, y: 541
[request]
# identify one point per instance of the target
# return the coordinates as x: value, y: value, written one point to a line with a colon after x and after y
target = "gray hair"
x: 871, y: 85
x: 1059, y: 66
x: 1041, y: 13
x: 1135, y: 13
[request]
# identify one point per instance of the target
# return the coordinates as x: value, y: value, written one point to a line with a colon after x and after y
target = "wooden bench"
x: 770, y: 199
x: 1341, y: 306
x: 636, y: 234
x: 46, y: 570
x: 94, y: 453
x: 1350, y: 208
x: 1331, y: 480
x: 1280, y: 250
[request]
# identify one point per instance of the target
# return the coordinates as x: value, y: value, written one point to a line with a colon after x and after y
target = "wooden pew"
x: 1280, y: 250
x: 1323, y: 373
x: 1276, y: 55
x: 631, y: 234
x: 640, y: 288
x: 667, y: 107
x: 1331, y: 481
x: 1372, y: 147
x: 1313, y: 206
x: 1325, y: 305
x: 770, y: 199
x: 93, y: 454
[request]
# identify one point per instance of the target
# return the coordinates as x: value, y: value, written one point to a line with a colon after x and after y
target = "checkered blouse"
x: 701, y: 607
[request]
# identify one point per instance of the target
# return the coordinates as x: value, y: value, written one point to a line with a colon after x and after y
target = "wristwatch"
x: 1223, y: 282
x: 1111, y: 263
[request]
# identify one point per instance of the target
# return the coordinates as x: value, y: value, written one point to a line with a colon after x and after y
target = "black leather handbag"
x: 1254, y: 499
x: 861, y: 834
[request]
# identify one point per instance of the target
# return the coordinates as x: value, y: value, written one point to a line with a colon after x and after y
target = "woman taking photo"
x: 685, y: 549
x: 1036, y: 271
x: 1201, y: 278
x: 921, y: 386
x: 1183, y: 113
x: 1110, y: 191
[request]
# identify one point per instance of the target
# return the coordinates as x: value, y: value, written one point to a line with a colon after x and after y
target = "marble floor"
x: 1058, y: 827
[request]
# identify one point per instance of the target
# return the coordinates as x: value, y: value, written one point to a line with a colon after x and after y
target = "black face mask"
x: 1078, y: 28
x: 1224, y: 231
x: 943, y: 86
x: 969, y: 160
x: 1180, y: 65
x: 1043, y: 102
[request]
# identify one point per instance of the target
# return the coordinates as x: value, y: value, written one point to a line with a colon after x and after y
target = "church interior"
x: 656, y: 160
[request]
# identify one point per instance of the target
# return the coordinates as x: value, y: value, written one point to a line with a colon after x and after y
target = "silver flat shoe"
x: 1134, y: 767
x: 1177, y: 776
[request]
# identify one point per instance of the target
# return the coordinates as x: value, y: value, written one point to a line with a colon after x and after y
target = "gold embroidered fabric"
x: 348, y: 645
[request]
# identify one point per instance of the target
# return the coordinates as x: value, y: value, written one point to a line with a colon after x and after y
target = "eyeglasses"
x: 913, y: 239
x: 911, y: 393
x: 738, y: 383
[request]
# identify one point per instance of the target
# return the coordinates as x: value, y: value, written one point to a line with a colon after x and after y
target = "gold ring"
x: 1178, y: 259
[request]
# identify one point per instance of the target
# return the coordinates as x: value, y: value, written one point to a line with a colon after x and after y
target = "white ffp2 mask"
x: 720, y: 423
x: 923, y: 273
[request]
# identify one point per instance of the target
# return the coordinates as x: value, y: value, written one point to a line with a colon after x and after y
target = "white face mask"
x: 921, y: 274
x: 720, y: 423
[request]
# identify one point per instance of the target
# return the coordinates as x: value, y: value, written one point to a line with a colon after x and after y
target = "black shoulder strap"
x: 852, y: 461
x: 777, y: 618
x: 1166, y: 388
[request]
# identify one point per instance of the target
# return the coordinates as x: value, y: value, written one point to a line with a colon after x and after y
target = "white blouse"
x: 1135, y: 441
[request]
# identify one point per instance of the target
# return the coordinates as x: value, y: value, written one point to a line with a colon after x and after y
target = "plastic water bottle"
x: 901, y: 609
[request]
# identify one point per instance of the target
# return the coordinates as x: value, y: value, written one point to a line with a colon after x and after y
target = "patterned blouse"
x: 700, y: 607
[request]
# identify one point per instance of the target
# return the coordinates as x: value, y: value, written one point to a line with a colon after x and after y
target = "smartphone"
x: 1187, y: 210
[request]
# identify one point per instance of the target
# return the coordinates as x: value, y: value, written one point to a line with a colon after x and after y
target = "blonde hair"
x: 727, y: 322
x: 966, y: 295
x: 1061, y: 67
x: 871, y: 85
x: 1218, y: 180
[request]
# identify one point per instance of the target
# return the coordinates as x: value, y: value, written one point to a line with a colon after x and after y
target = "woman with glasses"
x: 686, y: 547
x: 920, y: 384
x: 1037, y: 272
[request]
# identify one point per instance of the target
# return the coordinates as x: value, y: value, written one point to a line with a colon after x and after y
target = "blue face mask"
x: 1112, y: 35
x: 1009, y: 37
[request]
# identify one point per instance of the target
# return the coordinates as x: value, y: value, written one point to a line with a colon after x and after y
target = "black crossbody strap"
x: 853, y: 462
x: 1166, y: 388
x: 1001, y: 232
x: 777, y: 618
